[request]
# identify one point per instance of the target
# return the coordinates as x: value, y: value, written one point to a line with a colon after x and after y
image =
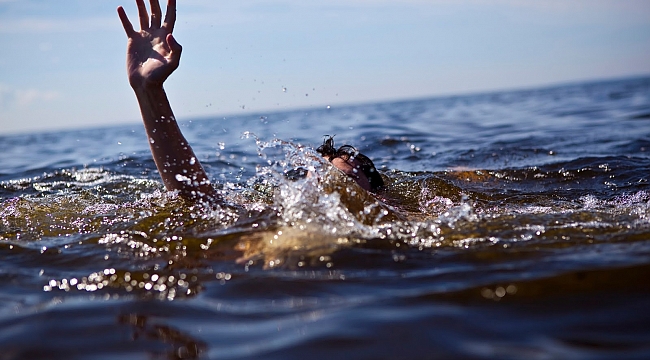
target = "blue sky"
x: 62, y: 62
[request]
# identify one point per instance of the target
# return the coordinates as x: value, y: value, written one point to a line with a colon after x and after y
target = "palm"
x: 152, y: 53
x: 149, y: 58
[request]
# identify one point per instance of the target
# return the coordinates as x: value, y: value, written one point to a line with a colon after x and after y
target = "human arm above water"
x: 152, y: 55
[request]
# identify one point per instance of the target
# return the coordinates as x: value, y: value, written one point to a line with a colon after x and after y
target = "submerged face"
x: 351, y: 169
x: 353, y: 163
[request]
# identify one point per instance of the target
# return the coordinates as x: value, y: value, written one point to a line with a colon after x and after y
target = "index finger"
x: 170, y: 16
x: 128, y: 27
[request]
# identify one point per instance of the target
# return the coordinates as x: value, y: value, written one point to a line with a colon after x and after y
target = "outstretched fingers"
x: 156, y: 14
x: 142, y: 14
x: 170, y: 16
x: 128, y: 27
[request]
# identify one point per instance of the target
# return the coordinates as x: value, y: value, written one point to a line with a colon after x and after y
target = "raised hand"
x: 152, y: 53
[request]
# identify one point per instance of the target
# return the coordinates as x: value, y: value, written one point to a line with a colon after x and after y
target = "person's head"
x: 353, y: 163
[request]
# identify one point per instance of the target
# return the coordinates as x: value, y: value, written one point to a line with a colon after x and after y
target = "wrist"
x: 147, y: 87
x: 152, y: 98
x: 155, y: 107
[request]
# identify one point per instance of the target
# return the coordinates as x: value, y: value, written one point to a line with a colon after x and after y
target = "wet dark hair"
x: 348, y: 152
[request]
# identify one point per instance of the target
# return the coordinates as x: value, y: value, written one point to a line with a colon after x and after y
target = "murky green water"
x: 514, y: 225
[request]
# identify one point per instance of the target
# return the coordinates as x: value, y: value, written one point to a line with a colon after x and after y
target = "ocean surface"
x: 513, y: 225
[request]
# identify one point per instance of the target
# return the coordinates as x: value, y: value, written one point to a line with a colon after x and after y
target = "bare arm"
x: 152, y: 55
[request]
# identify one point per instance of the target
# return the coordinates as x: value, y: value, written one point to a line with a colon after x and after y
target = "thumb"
x: 174, y: 46
x: 175, y: 53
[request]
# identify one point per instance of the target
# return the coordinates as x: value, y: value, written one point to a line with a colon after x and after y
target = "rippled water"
x: 514, y: 225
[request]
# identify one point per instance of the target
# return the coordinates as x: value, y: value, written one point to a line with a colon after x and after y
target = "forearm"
x: 176, y: 162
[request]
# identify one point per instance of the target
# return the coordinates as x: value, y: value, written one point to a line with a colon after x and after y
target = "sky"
x: 62, y: 62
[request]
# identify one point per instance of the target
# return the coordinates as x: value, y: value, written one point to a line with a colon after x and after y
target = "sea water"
x: 513, y: 225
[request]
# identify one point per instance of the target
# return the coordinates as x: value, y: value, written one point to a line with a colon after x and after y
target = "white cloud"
x: 57, y: 25
x: 11, y: 97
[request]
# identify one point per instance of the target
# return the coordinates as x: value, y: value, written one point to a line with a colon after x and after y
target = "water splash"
x: 317, y: 213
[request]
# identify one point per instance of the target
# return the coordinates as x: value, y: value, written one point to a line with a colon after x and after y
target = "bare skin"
x: 152, y: 54
x: 350, y: 168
